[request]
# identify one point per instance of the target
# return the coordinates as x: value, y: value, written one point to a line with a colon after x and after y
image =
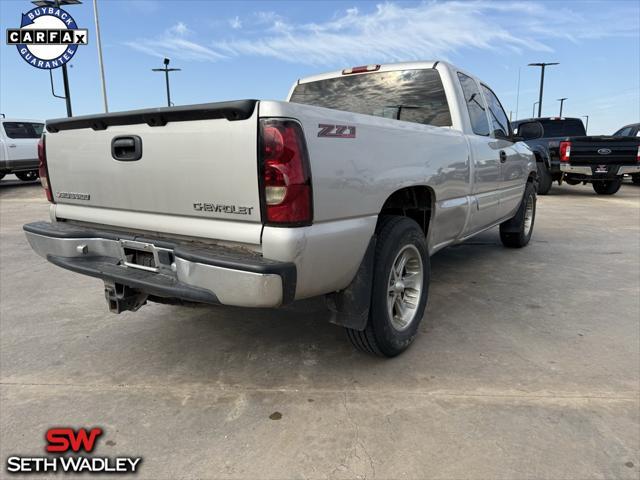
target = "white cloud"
x: 394, y: 32
x: 179, y: 29
x: 235, y: 23
x: 173, y: 43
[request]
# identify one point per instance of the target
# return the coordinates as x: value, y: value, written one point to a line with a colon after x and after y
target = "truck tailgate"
x: 596, y: 150
x: 199, y: 162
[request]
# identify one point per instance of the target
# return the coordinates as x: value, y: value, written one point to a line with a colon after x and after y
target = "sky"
x: 239, y: 49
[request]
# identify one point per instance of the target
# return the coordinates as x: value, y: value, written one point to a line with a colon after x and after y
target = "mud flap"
x: 350, y: 307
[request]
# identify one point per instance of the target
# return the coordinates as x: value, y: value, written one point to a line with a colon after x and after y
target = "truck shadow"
x: 292, y: 346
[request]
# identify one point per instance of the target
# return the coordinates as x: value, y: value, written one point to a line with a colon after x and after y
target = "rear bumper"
x: 209, y: 274
x: 587, y: 170
x: 21, y: 165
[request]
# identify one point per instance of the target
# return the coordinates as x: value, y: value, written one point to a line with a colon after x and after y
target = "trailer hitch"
x: 121, y: 298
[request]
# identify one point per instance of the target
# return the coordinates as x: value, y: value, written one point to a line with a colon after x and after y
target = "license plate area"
x: 601, y: 169
x: 145, y: 256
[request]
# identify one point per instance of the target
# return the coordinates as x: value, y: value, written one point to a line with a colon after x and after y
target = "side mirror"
x: 530, y: 130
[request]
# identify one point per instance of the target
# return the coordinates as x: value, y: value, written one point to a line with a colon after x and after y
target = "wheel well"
x: 413, y: 202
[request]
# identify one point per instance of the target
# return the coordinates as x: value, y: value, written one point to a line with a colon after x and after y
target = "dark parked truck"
x: 565, y: 153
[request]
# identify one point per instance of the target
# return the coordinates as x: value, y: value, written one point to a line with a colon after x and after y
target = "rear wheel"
x: 544, y: 179
x: 28, y: 176
x: 607, y: 187
x: 516, y: 233
x: 400, y: 288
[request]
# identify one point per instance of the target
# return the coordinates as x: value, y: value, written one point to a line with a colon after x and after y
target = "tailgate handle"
x: 126, y: 148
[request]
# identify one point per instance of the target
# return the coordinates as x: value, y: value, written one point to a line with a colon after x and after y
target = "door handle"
x: 126, y: 148
x: 13, y: 145
x: 503, y: 156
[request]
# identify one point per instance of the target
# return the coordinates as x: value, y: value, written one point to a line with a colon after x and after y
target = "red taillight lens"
x: 43, y: 171
x: 286, y: 178
x: 565, y: 151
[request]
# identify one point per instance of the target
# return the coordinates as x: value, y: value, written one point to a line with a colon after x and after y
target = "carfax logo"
x: 48, y: 37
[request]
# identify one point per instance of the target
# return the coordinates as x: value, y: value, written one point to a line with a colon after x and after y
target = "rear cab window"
x: 411, y: 95
x: 22, y: 129
x: 567, y: 127
x: 476, y: 107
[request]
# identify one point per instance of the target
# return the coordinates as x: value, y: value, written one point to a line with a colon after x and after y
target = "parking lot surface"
x: 527, y: 364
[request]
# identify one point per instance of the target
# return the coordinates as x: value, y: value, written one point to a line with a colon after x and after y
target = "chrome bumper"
x: 629, y: 170
x: 586, y: 170
x: 572, y: 169
x: 210, y: 275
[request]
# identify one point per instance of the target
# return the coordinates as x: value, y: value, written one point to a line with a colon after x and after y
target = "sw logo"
x: 337, y: 131
x: 65, y: 440
x: 48, y: 37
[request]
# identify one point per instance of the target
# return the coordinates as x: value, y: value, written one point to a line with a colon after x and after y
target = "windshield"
x: 411, y: 95
x: 23, y: 129
x: 570, y: 127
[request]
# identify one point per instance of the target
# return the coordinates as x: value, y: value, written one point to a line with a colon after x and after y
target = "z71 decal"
x: 337, y: 131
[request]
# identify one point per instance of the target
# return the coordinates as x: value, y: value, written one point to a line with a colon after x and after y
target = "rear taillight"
x: 565, y: 151
x: 43, y: 171
x: 285, y: 174
x: 638, y: 155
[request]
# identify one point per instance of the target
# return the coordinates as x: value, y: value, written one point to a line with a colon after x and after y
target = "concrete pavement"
x: 527, y: 365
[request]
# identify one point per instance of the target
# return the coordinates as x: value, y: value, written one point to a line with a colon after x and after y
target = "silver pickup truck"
x: 344, y: 190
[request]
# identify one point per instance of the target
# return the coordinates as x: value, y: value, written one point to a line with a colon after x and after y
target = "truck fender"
x: 350, y: 307
x: 542, y: 155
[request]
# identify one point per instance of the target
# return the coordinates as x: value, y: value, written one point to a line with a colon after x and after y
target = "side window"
x: 475, y: 105
x: 625, y: 132
x: 499, y: 119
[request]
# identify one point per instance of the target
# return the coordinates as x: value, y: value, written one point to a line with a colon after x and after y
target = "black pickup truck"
x: 565, y: 153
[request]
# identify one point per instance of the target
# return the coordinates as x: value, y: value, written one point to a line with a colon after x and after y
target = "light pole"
x: 65, y: 75
x: 586, y: 127
x: 166, y: 71
x: 561, y: 100
x: 542, y: 66
x: 533, y: 113
x: 99, y: 44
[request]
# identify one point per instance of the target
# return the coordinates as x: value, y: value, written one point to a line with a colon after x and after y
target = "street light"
x: 542, y: 66
x: 166, y: 71
x: 561, y: 100
x: 100, y: 62
x: 586, y: 127
x: 533, y: 113
x: 65, y: 75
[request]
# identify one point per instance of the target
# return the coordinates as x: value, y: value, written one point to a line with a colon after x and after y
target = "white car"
x: 19, y: 147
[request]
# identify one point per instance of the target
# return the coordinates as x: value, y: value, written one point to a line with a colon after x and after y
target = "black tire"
x: 634, y: 178
x: 607, y: 187
x: 516, y: 233
x: 544, y: 179
x: 380, y: 337
x: 2, y: 175
x: 28, y: 176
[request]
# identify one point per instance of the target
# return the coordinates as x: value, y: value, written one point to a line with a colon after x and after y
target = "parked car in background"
x: 19, y: 147
x: 564, y: 153
x: 345, y: 190
x: 632, y: 130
